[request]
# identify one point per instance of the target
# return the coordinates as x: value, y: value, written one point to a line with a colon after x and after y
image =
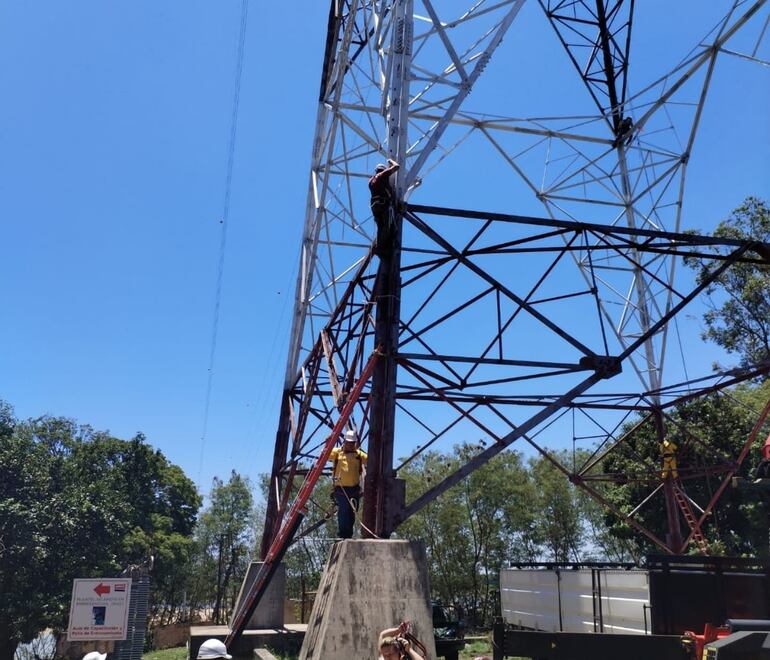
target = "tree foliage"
x: 306, y: 557
x: 506, y: 511
x: 708, y: 432
x: 469, y: 531
x: 75, y: 502
x: 224, y: 543
x: 558, y: 525
x: 713, y: 429
x: 738, y: 318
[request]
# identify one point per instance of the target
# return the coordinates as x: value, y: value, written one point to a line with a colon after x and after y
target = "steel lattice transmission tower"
x: 496, y: 323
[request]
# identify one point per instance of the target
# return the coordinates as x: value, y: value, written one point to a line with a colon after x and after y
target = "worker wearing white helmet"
x: 348, y: 466
x: 95, y: 655
x: 213, y: 648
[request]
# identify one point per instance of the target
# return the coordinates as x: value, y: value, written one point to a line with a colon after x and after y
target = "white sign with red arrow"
x: 99, y: 609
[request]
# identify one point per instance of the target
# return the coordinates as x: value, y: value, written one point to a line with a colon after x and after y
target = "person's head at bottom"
x: 213, y: 648
x: 95, y: 655
x: 393, y: 648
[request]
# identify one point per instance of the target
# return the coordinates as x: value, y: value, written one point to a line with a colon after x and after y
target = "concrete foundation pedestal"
x: 367, y: 586
x: 269, y: 612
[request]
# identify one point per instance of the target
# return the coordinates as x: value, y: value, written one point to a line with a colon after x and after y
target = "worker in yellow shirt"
x: 668, y: 453
x: 348, y: 466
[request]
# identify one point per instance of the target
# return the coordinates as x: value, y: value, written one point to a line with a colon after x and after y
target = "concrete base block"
x: 263, y: 654
x: 269, y: 612
x: 367, y: 586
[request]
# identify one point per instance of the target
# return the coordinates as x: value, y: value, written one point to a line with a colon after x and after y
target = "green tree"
x: 474, y: 528
x: 306, y: 557
x: 157, y: 506
x: 225, y: 540
x: 708, y: 431
x: 25, y: 557
x: 738, y: 318
x: 559, y: 524
x: 77, y: 503
x: 604, y: 543
x: 570, y: 524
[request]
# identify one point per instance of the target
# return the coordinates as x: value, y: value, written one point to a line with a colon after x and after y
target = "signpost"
x: 99, y: 609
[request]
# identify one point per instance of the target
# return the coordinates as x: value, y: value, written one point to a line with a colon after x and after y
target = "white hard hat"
x: 350, y: 436
x: 94, y: 655
x: 213, y: 648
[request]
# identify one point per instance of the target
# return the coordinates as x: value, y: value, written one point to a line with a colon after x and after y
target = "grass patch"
x: 177, y: 653
x: 476, y: 648
x: 290, y: 656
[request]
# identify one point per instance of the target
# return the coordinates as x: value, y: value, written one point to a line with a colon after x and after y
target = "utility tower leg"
x: 382, y: 503
x: 383, y: 494
x: 272, y: 520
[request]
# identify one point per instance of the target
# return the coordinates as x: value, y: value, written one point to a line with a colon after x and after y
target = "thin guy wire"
x: 224, y: 223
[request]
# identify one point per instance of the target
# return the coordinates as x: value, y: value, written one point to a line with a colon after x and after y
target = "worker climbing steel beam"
x: 297, y: 512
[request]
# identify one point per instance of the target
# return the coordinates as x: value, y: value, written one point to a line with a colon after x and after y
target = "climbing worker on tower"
x: 382, y: 206
x: 348, y: 467
x: 668, y: 452
x: 625, y: 132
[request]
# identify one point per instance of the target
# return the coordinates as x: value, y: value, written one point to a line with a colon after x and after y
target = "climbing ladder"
x: 731, y: 472
x: 283, y: 539
x: 692, y: 521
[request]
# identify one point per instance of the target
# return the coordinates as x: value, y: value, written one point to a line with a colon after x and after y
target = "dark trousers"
x: 382, y: 218
x: 347, y: 498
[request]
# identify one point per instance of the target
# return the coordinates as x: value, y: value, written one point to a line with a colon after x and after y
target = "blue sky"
x: 113, y: 148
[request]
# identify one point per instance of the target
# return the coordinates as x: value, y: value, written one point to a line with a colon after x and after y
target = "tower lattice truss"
x: 553, y: 321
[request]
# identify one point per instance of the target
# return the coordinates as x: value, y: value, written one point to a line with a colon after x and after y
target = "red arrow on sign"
x: 101, y: 589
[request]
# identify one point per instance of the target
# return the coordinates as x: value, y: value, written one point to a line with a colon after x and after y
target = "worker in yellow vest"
x: 348, y: 468
x: 668, y: 453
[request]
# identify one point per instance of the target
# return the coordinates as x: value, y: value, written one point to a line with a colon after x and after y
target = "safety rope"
x: 223, y: 221
x: 357, y: 515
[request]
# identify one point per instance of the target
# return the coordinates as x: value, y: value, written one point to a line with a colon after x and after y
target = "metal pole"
x: 379, y: 488
x: 279, y: 456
